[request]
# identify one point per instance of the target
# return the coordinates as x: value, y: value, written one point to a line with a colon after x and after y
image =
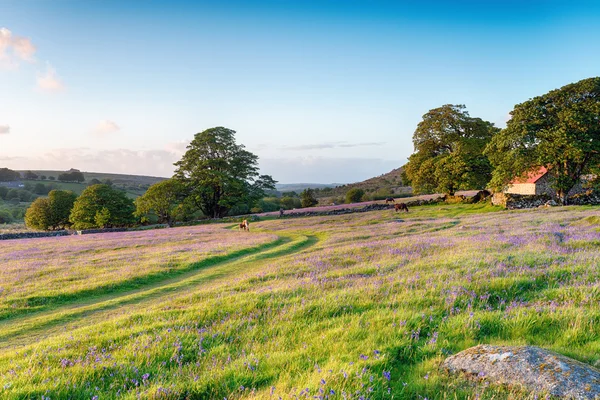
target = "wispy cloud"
x: 331, y: 145
x: 106, y: 127
x: 4, y: 129
x: 154, y: 162
x: 49, y: 80
x: 14, y: 49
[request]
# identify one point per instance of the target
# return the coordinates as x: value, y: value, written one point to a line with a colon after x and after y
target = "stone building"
x: 537, y: 183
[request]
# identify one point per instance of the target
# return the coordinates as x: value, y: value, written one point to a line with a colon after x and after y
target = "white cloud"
x: 106, y: 127
x: 177, y: 148
x: 120, y: 161
x: 4, y: 129
x: 14, y: 49
x: 49, y: 80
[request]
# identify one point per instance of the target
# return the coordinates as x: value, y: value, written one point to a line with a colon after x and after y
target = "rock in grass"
x: 533, y: 368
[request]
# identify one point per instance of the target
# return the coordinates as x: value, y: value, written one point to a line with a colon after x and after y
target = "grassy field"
x: 361, y: 305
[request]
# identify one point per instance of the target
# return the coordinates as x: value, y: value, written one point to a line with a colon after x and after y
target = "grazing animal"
x: 390, y: 200
x: 244, y: 225
x: 400, y: 207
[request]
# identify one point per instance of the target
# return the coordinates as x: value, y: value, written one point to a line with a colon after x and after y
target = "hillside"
x: 134, y: 185
x: 383, y: 185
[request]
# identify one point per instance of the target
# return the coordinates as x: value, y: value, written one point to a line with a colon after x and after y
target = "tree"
x: 71, y: 176
x: 559, y: 130
x: 448, y: 154
x: 161, y: 199
x: 61, y: 204
x: 354, y: 195
x: 95, y: 181
x: 50, y: 213
x: 40, y: 188
x: 8, y: 175
x: 52, y: 178
x: 29, y: 175
x: 217, y: 173
x: 289, y: 202
x: 43, y: 177
x: 307, y: 198
x: 92, y: 202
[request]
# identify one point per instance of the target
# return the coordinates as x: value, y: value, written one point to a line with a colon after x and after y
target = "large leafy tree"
x: 559, y: 130
x: 160, y: 199
x: 218, y: 173
x: 51, y: 213
x: 448, y: 154
x: 101, y: 206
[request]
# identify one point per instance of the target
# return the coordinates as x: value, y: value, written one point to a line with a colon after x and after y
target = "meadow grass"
x: 352, y: 306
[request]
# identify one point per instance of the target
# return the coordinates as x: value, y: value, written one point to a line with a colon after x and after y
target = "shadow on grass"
x: 283, y: 246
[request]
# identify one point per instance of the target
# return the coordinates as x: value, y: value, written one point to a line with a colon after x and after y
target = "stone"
x: 535, y: 369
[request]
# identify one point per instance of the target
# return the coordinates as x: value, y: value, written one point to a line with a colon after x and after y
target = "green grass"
x: 326, y: 306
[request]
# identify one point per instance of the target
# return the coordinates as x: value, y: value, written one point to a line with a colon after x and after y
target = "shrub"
x: 308, y: 199
x: 5, y: 217
x: 354, y: 195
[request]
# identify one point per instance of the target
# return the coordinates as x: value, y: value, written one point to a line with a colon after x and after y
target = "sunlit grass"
x: 359, y: 305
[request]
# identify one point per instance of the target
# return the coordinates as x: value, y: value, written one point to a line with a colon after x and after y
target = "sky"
x: 322, y: 91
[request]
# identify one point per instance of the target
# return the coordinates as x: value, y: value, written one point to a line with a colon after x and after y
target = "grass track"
x: 22, y: 330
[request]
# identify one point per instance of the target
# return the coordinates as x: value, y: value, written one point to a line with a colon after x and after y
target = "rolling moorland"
x: 362, y: 305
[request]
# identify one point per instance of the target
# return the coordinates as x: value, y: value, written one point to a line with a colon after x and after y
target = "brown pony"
x: 244, y: 225
x: 390, y: 200
x: 401, y: 207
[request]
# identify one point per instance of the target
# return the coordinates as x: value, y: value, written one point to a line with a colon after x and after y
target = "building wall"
x: 522, y: 188
x: 540, y: 188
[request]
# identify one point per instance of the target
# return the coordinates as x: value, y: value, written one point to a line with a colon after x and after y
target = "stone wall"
x: 31, y: 235
x: 589, y: 197
x: 517, y: 201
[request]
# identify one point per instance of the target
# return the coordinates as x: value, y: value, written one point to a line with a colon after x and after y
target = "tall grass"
x: 354, y: 306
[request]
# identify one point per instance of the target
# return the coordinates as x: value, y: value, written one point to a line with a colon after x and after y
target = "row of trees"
x: 98, y: 206
x: 559, y: 130
x: 214, y: 176
x: 8, y: 175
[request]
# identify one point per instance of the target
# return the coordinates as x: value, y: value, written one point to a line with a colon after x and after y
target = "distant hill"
x: 299, y: 187
x: 380, y: 186
x: 134, y: 185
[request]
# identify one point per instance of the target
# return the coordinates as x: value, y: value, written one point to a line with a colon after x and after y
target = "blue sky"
x: 321, y: 91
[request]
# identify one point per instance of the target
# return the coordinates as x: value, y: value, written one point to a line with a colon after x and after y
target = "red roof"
x: 531, y: 177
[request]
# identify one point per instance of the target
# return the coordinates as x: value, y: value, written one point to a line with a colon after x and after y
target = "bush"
x: 290, y: 203
x: 5, y: 217
x: 354, y: 195
x: 269, y: 204
x: 308, y: 199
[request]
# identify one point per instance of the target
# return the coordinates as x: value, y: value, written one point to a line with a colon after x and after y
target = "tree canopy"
x: 354, y: 195
x: 217, y: 173
x: 51, y: 213
x: 307, y: 198
x: 71, y: 176
x: 101, y: 206
x: 559, y: 130
x: 161, y: 199
x: 448, y: 154
x: 7, y: 175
